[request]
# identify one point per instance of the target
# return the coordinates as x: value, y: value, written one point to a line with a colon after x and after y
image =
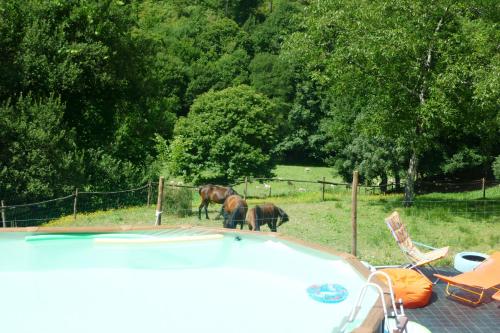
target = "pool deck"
x: 444, y: 314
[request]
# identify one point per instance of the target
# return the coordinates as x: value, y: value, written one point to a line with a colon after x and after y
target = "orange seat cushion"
x: 411, y: 286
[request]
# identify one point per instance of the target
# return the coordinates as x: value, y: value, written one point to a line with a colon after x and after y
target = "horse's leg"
x: 225, y: 218
x: 206, y: 210
x: 257, y: 219
x: 257, y: 222
x: 231, y: 222
x: 272, y: 224
x: 199, y: 209
x: 220, y: 212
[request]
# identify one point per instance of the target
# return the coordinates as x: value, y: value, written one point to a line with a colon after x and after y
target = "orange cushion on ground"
x: 414, y: 288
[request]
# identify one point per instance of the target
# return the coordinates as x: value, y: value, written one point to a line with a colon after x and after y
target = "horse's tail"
x: 250, y: 219
x: 238, y: 215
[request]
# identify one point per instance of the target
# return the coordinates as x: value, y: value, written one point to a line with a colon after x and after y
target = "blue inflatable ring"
x: 327, y: 293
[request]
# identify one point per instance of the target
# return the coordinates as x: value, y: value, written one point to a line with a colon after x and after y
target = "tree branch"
x: 428, y: 59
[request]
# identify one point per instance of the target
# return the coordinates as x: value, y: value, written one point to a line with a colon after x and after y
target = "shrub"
x: 177, y: 201
x: 226, y: 135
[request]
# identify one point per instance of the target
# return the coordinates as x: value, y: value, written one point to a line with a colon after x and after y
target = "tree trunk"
x: 383, y: 183
x: 426, y: 69
x: 410, y: 180
x: 397, y: 180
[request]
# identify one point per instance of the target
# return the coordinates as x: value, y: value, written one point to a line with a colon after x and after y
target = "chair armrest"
x: 424, y: 245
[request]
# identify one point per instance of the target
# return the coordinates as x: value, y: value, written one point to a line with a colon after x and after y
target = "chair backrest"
x: 402, y: 237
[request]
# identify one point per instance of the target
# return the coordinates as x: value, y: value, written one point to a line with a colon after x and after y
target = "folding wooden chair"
x: 415, y: 257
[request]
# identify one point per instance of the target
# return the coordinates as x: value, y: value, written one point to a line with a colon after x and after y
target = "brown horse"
x: 266, y: 213
x: 235, y: 211
x: 213, y: 193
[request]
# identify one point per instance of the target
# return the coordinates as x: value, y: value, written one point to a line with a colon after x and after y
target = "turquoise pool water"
x: 255, y: 284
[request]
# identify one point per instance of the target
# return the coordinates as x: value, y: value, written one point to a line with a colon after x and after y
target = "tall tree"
x: 412, y: 72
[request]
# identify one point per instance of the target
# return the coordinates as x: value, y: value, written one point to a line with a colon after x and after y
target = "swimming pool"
x: 97, y: 280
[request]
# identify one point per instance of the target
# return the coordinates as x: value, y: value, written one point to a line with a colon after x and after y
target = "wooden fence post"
x: 159, y: 202
x: 3, y: 215
x: 149, y: 193
x: 354, y: 215
x: 323, y: 190
x: 269, y: 190
x: 246, y: 187
x: 75, y: 201
x: 483, y: 184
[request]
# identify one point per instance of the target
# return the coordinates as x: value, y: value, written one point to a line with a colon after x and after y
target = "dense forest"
x: 104, y: 94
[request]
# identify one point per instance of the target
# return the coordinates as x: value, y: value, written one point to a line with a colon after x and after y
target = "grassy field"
x: 462, y: 221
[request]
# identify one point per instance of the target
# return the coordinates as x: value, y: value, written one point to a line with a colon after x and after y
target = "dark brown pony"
x: 266, y: 213
x: 235, y: 210
x: 213, y: 193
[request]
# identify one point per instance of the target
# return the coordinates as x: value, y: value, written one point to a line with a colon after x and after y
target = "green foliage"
x: 373, y: 157
x: 305, y: 63
x: 159, y: 164
x: 462, y: 159
x: 496, y: 167
x: 178, y: 201
x: 410, y: 72
x: 356, y: 83
x: 104, y: 172
x: 91, y: 80
x: 269, y: 76
x: 226, y: 135
x: 229, y: 70
x: 269, y: 35
x: 37, y: 154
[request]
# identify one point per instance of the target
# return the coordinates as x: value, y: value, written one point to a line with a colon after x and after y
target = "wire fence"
x: 35, y: 214
x: 275, y: 187
x: 423, y: 187
x: 443, y: 209
x: 471, y: 205
x: 183, y: 200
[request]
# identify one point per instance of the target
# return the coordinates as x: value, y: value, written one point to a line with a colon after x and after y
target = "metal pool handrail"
x: 400, y: 317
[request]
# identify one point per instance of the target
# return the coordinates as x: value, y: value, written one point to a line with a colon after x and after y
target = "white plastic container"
x: 467, y: 261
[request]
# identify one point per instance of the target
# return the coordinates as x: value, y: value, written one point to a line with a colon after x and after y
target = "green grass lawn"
x: 437, y: 219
